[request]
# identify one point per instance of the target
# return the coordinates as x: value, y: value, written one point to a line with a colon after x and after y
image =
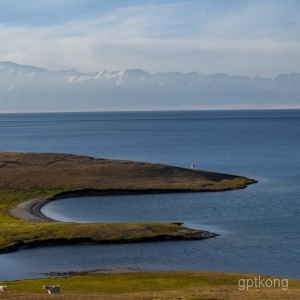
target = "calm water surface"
x: 259, y: 225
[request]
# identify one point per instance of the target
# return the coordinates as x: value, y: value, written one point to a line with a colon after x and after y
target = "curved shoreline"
x: 68, y: 175
x: 89, y: 176
x: 30, y: 210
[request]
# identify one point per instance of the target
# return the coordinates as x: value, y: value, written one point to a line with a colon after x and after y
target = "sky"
x: 248, y: 37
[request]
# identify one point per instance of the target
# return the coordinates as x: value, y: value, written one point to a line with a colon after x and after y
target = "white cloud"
x: 183, y: 36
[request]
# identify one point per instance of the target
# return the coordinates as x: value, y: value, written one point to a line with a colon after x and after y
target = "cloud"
x: 204, y: 36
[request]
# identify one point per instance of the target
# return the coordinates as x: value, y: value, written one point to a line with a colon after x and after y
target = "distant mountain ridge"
x: 30, y: 88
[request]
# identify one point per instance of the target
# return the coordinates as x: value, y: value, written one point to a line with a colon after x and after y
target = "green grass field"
x: 152, y: 285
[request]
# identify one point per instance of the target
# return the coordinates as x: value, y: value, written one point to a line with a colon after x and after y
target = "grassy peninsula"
x: 25, y: 176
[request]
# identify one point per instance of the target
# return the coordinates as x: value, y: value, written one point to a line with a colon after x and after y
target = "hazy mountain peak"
x: 32, y: 88
x: 11, y: 66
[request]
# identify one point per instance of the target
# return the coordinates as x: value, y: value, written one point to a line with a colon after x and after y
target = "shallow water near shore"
x: 259, y: 225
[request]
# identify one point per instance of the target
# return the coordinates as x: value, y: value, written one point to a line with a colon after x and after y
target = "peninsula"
x: 29, y: 180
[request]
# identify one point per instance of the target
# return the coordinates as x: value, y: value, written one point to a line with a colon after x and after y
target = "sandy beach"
x: 30, y: 211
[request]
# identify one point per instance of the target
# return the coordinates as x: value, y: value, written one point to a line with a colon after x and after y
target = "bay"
x: 259, y: 226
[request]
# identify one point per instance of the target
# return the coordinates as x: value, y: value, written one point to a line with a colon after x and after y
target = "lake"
x: 259, y: 225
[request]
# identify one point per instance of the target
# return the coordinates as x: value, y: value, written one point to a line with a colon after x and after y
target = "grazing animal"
x: 52, y: 289
x: 3, y: 288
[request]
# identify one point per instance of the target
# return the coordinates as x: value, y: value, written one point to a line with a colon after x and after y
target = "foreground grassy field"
x: 153, y: 285
x: 26, y: 176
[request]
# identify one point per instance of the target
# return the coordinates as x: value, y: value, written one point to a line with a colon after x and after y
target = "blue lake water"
x: 259, y: 226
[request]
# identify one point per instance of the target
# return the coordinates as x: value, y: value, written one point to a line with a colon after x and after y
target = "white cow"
x: 3, y: 288
x: 52, y: 289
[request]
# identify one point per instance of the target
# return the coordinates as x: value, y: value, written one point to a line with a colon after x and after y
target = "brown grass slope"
x: 65, y: 171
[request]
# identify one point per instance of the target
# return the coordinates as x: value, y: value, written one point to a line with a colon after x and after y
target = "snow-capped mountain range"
x: 30, y: 88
